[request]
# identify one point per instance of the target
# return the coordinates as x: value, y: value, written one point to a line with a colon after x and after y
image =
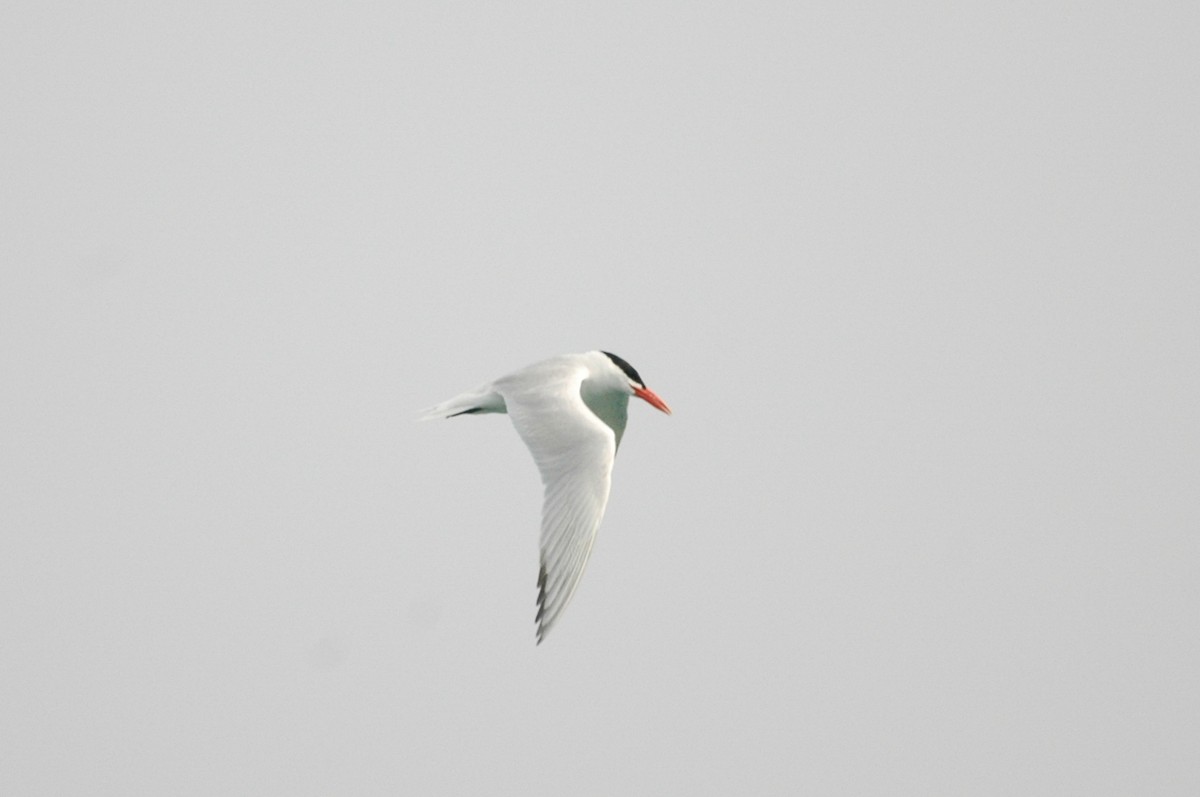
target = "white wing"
x: 574, y: 451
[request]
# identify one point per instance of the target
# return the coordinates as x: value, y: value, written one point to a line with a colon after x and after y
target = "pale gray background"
x: 920, y: 281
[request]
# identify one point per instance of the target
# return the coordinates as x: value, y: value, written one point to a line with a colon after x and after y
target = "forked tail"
x: 471, y: 403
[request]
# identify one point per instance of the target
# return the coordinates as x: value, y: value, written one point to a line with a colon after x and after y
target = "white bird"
x: 570, y: 411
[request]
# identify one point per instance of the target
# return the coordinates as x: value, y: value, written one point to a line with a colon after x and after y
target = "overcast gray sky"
x: 919, y: 281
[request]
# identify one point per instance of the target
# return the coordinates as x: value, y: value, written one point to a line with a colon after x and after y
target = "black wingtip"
x: 541, y: 602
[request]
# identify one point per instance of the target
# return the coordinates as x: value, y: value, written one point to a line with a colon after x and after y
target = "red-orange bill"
x: 648, y: 395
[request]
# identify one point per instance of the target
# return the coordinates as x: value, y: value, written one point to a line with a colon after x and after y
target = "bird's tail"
x: 470, y: 403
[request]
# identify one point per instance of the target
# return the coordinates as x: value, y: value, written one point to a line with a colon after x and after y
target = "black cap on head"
x: 629, y: 370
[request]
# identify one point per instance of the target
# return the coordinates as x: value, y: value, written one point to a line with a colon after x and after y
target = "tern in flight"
x: 571, y: 412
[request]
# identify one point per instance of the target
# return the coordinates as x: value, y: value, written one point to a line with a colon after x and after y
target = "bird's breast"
x: 610, y: 407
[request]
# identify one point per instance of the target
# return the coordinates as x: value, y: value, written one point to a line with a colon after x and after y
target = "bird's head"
x: 632, y: 381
